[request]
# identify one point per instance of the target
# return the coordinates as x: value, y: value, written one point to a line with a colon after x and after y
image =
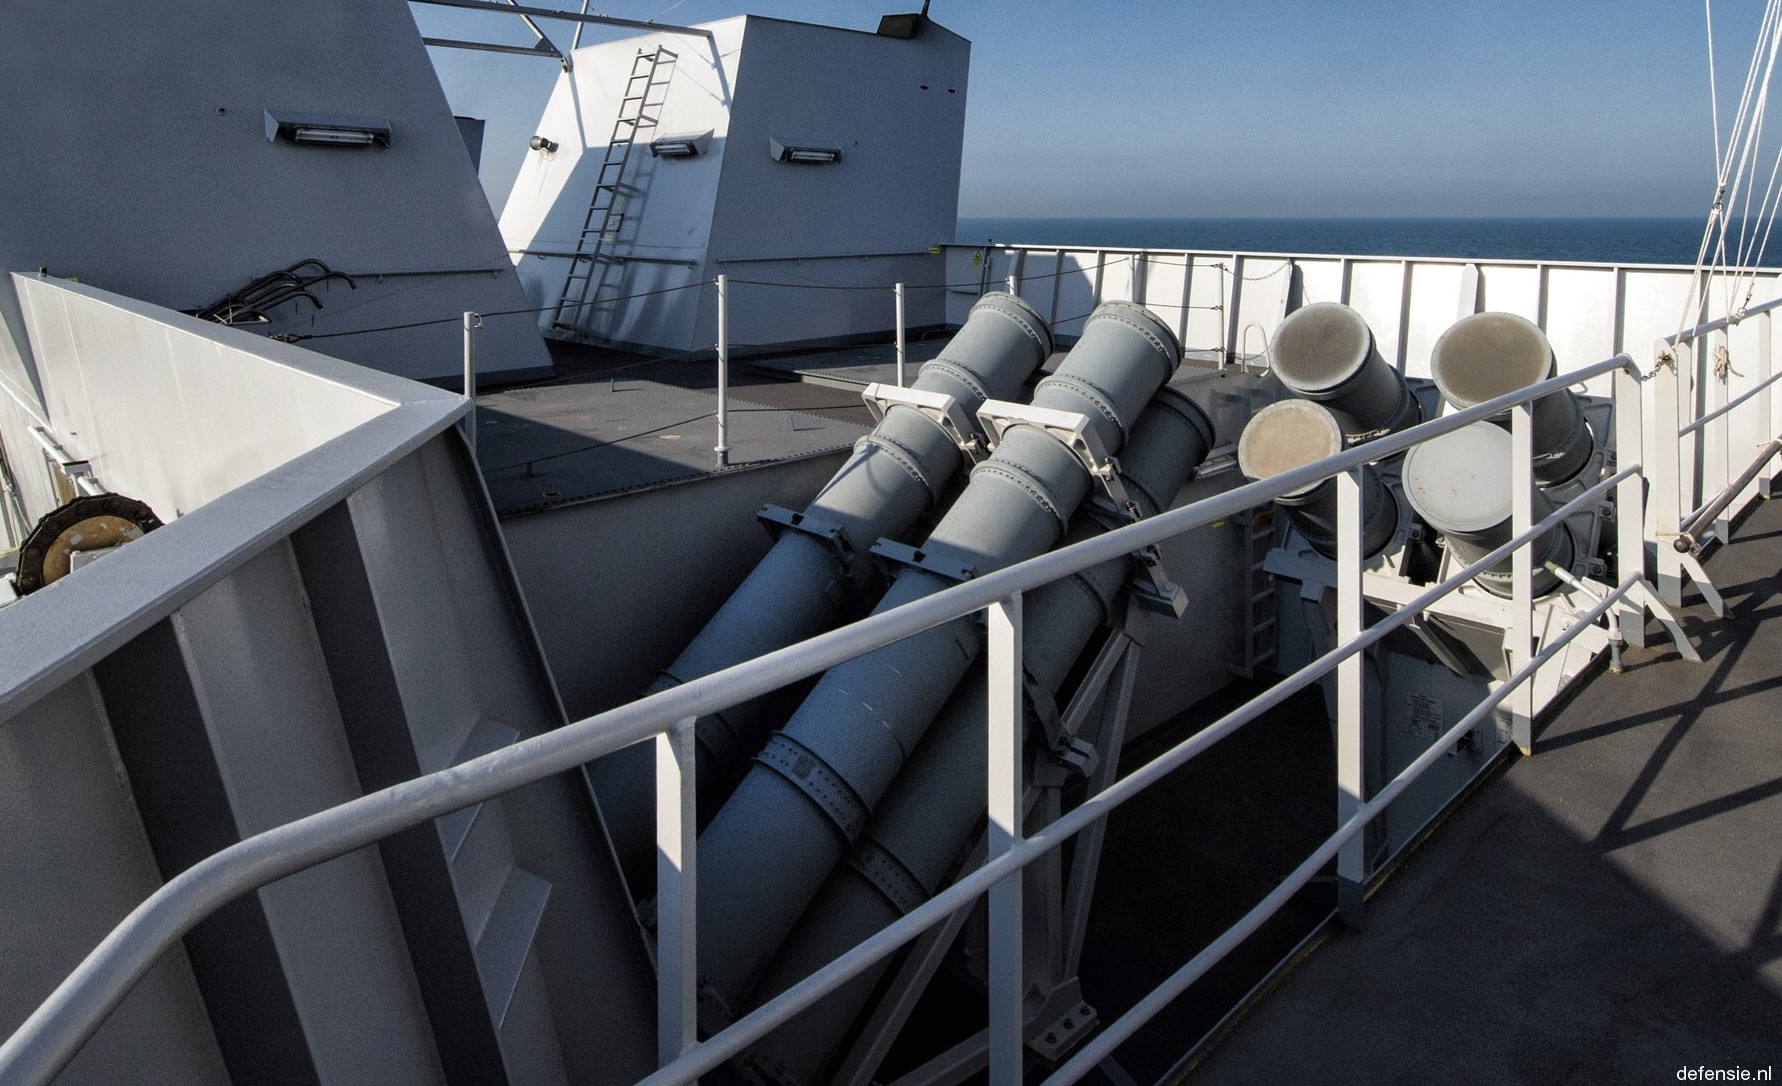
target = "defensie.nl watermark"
x: 1704, y: 1073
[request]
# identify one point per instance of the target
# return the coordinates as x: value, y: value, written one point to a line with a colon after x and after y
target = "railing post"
x: 1716, y: 450
x: 1007, y: 1021
x: 900, y: 337
x: 677, y: 941
x: 1520, y: 647
x: 472, y: 321
x: 1764, y: 414
x: 1630, y: 503
x: 1664, y: 468
x: 1351, y: 719
x: 723, y: 446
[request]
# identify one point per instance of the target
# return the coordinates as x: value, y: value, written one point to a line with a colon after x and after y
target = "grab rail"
x: 57, y: 1029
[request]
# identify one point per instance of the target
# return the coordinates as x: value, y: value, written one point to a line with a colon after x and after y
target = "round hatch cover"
x: 1288, y: 435
x: 1460, y: 482
x: 88, y: 523
x: 1487, y: 355
x: 1319, y: 347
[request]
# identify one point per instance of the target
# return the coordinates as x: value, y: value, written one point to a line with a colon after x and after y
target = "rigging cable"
x: 1735, y: 164
x: 1743, y: 266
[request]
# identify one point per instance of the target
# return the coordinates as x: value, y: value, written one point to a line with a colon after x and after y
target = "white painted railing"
x: 1703, y: 464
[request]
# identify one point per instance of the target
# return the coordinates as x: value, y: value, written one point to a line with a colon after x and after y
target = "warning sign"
x: 1425, y: 715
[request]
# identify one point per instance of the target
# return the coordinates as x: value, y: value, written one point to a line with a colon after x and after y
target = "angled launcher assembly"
x: 817, y: 572
x: 1488, y: 355
x: 1325, y: 352
x: 917, y: 835
x: 814, y: 785
x: 1460, y: 484
x: 1345, y: 394
x: 1293, y: 433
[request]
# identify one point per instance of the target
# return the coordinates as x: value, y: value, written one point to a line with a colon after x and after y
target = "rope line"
x: 1136, y: 260
x: 301, y: 337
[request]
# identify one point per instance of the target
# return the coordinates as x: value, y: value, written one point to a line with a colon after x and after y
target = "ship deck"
x: 1609, y: 910
x: 611, y: 422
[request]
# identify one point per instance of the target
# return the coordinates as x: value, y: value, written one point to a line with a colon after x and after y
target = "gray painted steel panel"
x: 609, y: 626
x: 250, y: 648
x: 414, y: 207
x: 75, y: 622
x: 154, y: 400
x: 254, y: 679
x: 25, y: 457
x: 462, y: 651
x: 73, y: 862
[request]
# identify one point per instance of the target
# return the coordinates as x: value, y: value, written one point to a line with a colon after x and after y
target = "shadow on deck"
x: 1609, y: 910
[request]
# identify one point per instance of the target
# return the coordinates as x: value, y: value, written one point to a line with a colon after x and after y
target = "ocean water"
x: 1613, y: 241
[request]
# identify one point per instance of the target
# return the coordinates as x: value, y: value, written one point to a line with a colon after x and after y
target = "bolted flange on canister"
x: 1460, y: 483
x: 1488, y: 355
x: 1326, y: 352
x: 1123, y: 356
x: 1000, y: 326
x: 1294, y: 433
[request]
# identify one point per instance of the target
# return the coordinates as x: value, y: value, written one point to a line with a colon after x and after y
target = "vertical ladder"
x: 639, y: 110
x: 1259, y: 585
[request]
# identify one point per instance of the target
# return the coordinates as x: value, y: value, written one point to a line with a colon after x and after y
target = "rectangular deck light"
x: 681, y: 146
x: 804, y: 152
x: 328, y: 130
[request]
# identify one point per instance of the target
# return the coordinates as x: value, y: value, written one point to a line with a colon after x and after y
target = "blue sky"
x: 1252, y: 108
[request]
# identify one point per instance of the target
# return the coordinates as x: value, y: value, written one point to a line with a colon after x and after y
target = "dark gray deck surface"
x: 614, y: 422
x: 1608, y: 911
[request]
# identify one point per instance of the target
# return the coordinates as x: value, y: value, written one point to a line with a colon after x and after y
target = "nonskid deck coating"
x: 1609, y: 910
x: 614, y: 422
x: 590, y: 440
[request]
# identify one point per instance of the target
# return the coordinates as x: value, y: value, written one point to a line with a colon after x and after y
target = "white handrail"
x: 55, y: 1032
